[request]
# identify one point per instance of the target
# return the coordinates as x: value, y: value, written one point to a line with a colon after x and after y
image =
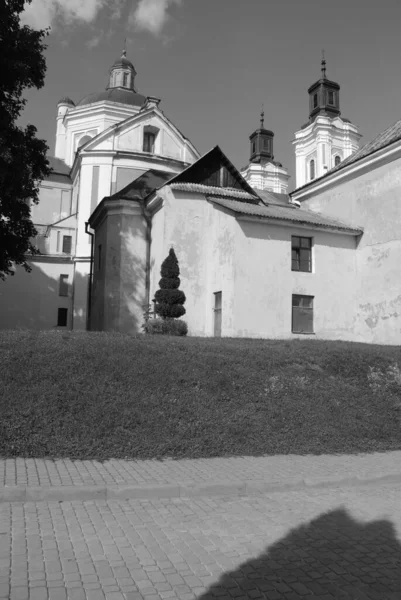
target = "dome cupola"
x: 122, y: 74
x: 324, y: 96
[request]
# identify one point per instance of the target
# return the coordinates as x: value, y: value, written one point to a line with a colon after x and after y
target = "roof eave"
x: 303, y: 225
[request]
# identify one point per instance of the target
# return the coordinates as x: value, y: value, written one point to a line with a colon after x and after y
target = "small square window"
x: 63, y: 285
x: 301, y: 254
x: 62, y: 314
x: 67, y: 244
x: 302, y: 314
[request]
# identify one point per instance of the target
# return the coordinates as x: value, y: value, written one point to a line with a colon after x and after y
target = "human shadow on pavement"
x: 332, y: 557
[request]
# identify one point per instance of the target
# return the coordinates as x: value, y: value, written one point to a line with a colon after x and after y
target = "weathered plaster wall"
x: 38, y: 308
x: 372, y: 201
x: 265, y: 283
x: 118, y: 291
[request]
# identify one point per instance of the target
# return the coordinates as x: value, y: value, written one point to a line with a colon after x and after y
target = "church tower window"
x: 331, y: 98
x: 125, y: 80
x: 315, y: 101
x: 312, y: 171
x: 337, y: 160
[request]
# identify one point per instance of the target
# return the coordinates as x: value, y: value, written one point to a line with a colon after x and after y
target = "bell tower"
x: 263, y: 172
x: 327, y: 138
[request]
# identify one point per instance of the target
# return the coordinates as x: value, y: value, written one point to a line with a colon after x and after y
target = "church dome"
x: 66, y: 100
x: 121, y: 88
x: 119, y: 95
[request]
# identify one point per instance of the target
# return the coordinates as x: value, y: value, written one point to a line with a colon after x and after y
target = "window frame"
x: 331, y: 94
x: 146, y: 136
x: 63, y: 285
x: 125, y: 79
x: 298, y: 248
x: 337, y: 160
x: 297, y: 308
x: 315, y: 100
x: 312, y: 169
x: 67, y: 237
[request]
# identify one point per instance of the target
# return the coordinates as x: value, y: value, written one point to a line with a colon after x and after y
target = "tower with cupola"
x: 262, y: 171
x: 327, y: 138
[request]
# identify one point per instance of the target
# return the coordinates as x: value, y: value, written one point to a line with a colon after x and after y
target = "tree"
x: 169, y: 299
x: 23, y: 161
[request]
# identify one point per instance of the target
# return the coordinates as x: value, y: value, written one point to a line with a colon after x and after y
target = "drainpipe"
x: 148, y: 220
x: 88, y: 318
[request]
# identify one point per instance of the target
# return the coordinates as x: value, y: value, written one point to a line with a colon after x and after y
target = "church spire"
x: 262, y: 117
x: 324, y: 95
x: 262, y: 142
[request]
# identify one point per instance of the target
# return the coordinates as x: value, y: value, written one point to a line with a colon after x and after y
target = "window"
x: 67, y: 244
x: 315, y: 101
x: 301, y: 253
x: 312, y: 171
x: 125, y: 79
x: 217, y: 313
x: 337, y: 160
x: 62, y: 317
x: 253, y: 147
x: 149, y: 142
x: 63, y: 285
x: 99, y: 257
x: 302, y: 314
x: 266, y: 144
x: 331, y: 98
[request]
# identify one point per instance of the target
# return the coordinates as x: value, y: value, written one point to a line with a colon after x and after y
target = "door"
x: 217, y: 314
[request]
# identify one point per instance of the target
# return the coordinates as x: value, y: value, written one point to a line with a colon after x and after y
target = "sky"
x: 214, y: 62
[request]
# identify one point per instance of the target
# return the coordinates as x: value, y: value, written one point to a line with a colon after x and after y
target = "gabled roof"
x: 291, y: 213
x: 144, y: 185
x: 389, y: 136
x: 205, y: 171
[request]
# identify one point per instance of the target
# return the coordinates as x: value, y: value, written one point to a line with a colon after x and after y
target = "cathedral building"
x: 255, y: 261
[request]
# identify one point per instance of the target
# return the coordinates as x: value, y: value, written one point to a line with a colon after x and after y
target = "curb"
x: 184, y: 490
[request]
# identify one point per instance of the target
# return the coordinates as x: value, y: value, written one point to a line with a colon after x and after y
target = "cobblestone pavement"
x: 342, y: 543
x: 59, y: 472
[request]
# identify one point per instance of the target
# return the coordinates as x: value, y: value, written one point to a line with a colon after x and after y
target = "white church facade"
x: 255, y: 261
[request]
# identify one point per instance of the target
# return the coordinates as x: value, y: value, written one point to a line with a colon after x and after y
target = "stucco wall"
x: 265, y: 283
x: 372, y: 201
x: 38, y: 308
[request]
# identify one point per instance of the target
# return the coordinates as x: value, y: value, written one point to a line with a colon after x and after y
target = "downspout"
x: 148, y: 220
x: 88, y: 317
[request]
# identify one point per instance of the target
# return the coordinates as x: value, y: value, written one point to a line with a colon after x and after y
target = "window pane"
x: 296, y: 300
x: 302, y: 320
x: 304, y: 254
x: 295, y: 242
x: 307, y: 301
x: 67, y: 244
x: 306, y: 242
x: 295, y: 265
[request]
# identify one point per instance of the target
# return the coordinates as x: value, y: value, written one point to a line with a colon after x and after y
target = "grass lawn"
x: 98, y: 396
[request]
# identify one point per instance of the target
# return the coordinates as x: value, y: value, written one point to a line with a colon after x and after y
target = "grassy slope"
x: 96, y: 395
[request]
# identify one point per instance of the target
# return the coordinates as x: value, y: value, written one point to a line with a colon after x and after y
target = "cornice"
x: 360, y: 167
x: 296, y: 225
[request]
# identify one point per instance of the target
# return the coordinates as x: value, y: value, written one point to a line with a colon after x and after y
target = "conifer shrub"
x: 169, y: 299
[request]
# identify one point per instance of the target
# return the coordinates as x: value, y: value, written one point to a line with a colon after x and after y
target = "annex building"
x: 255, y: 261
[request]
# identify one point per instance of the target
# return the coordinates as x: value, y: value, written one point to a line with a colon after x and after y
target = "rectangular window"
x: 63, y: 285
x: 62, y: 317
x: 253, y: 147
x: 315, y: 101
x: 302, y: 314
x: 99, y: 257
x: 301, y: 254
x: 217, y: 313
x: 125, y: 79
x: 67, y: 244
x: 149, y: 142
x: 266, y: 145
x: 331, y: 98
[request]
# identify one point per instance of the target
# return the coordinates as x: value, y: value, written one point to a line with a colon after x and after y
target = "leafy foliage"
x: 165, y: 327
x: 23, y: 161
x: 169, y: 299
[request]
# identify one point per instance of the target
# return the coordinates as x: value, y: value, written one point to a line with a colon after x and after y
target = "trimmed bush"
x: 165, y: 327
x: 169, y: 299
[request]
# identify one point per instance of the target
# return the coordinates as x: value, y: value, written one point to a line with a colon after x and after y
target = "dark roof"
x: 208, y: 164
x: 389, y: 136
x: 119, y: 95
x: 290, y: 213
x: 59, y: 170
x: 66, y: 100
x: 274, y: 198
x: 143, y: 185
x: 213, y: 190
x: 123, y: 62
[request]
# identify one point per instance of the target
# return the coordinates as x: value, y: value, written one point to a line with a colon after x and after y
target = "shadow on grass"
x: 332, y: 557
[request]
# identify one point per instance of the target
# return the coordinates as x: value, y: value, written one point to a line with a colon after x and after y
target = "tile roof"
x: 389, y: 136
x: 289, y: 213
x: 211, y: 190
x: 58, y: 166
x: 274, y: 197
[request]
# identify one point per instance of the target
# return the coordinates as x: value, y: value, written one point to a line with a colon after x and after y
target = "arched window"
x: 83, y: 140
x: 337, y: 160
x: 312, y: 173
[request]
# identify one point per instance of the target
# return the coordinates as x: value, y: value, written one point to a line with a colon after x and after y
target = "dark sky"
x: 213, y: 63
